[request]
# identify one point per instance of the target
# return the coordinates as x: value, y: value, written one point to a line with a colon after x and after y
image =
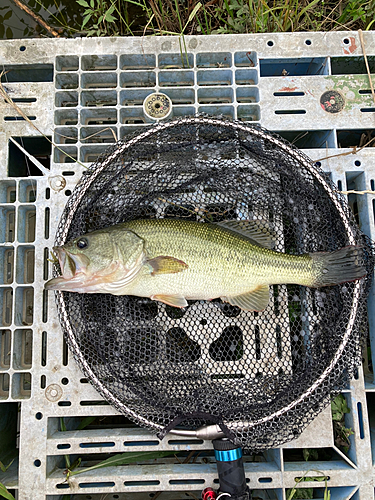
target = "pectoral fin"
x: 256, y: 300
x: 171, y: 300
x: 164, y: 264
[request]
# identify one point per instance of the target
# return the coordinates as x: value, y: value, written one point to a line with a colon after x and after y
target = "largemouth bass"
x: 171, y: 260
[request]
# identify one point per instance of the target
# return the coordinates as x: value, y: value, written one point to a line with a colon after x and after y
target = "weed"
x: 3, y: 467
x: 72, y: 468
x: 166, y: 17
x: 341, y: 433
x: 307, y: 493
x: 115, y: 460
x: 4, y: 493
x: 103, y: 20
x: 357, y: 11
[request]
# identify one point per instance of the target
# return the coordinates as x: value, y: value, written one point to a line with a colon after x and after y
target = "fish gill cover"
x: 262, y: 377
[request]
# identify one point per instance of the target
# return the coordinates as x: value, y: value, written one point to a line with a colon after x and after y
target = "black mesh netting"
x: 261, y: 376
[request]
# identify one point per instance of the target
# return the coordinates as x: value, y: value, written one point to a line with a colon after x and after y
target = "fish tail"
x: 340, y: 266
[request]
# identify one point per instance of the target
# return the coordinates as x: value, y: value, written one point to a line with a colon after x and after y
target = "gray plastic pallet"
x: 310, y: 87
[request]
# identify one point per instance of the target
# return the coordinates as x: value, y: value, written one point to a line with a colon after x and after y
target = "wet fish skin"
x: 173, y: 260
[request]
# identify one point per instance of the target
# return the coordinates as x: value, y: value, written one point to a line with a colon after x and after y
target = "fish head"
x: 90, y: 261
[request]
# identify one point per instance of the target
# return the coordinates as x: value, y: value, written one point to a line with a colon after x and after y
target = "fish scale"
x: 220, y: 262
x: 172, y: 260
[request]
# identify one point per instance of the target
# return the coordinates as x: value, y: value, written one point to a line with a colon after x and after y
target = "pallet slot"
x: 182, y: 60
x: 300, y: 66
x: 19, y: 165
x: 17, y: 73
x: 8, y: 191
x: 102, y: 62
x: 137, y: 61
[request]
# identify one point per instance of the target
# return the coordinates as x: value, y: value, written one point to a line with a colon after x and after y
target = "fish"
x: 173, y: 261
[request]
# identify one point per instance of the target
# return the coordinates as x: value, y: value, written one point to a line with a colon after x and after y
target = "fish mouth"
x: 72, y: 271
x: 67, y: 264
x: 77, y: 277
x: 61, y: 283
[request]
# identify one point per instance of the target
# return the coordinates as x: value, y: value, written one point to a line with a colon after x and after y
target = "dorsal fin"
x: 252, y: 230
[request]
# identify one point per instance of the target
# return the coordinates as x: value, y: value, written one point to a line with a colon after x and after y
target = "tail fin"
x: 333, y: 268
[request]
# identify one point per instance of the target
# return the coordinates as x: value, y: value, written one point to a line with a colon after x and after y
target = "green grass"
x: 307, y: 493
x: 189, y: 17
x: 161, y: 17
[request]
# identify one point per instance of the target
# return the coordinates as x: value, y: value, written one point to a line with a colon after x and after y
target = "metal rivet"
x: 53, y: 392
x: 57, y: 182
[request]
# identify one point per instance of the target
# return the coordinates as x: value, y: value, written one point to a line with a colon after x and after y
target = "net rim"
x: 98, y: 167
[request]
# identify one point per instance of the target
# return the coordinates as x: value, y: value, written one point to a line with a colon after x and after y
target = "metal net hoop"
x: 254, y: 427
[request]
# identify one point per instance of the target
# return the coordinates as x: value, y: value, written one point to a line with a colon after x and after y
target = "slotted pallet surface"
x: 312, y: 88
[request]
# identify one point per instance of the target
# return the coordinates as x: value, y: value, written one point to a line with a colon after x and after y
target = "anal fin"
x: 171, y: 300
x: 256, y: 300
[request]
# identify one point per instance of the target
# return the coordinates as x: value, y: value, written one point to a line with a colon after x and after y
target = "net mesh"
x: 262, y: 377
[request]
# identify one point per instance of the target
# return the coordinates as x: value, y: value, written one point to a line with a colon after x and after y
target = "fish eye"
x: 82, y: 243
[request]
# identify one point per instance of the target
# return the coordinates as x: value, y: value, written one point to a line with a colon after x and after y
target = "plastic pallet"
x: 312, y: 88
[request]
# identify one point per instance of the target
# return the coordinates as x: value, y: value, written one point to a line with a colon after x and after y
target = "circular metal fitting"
x: 157, y: 106
x: 332, y: 101
x: 53, y: 392
x: 57, y: 182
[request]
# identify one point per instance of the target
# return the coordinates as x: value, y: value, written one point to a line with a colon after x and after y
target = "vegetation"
x: 4, y: 493
x: 163, y: 17
x: 341, y: 433
x: 307, y: 493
